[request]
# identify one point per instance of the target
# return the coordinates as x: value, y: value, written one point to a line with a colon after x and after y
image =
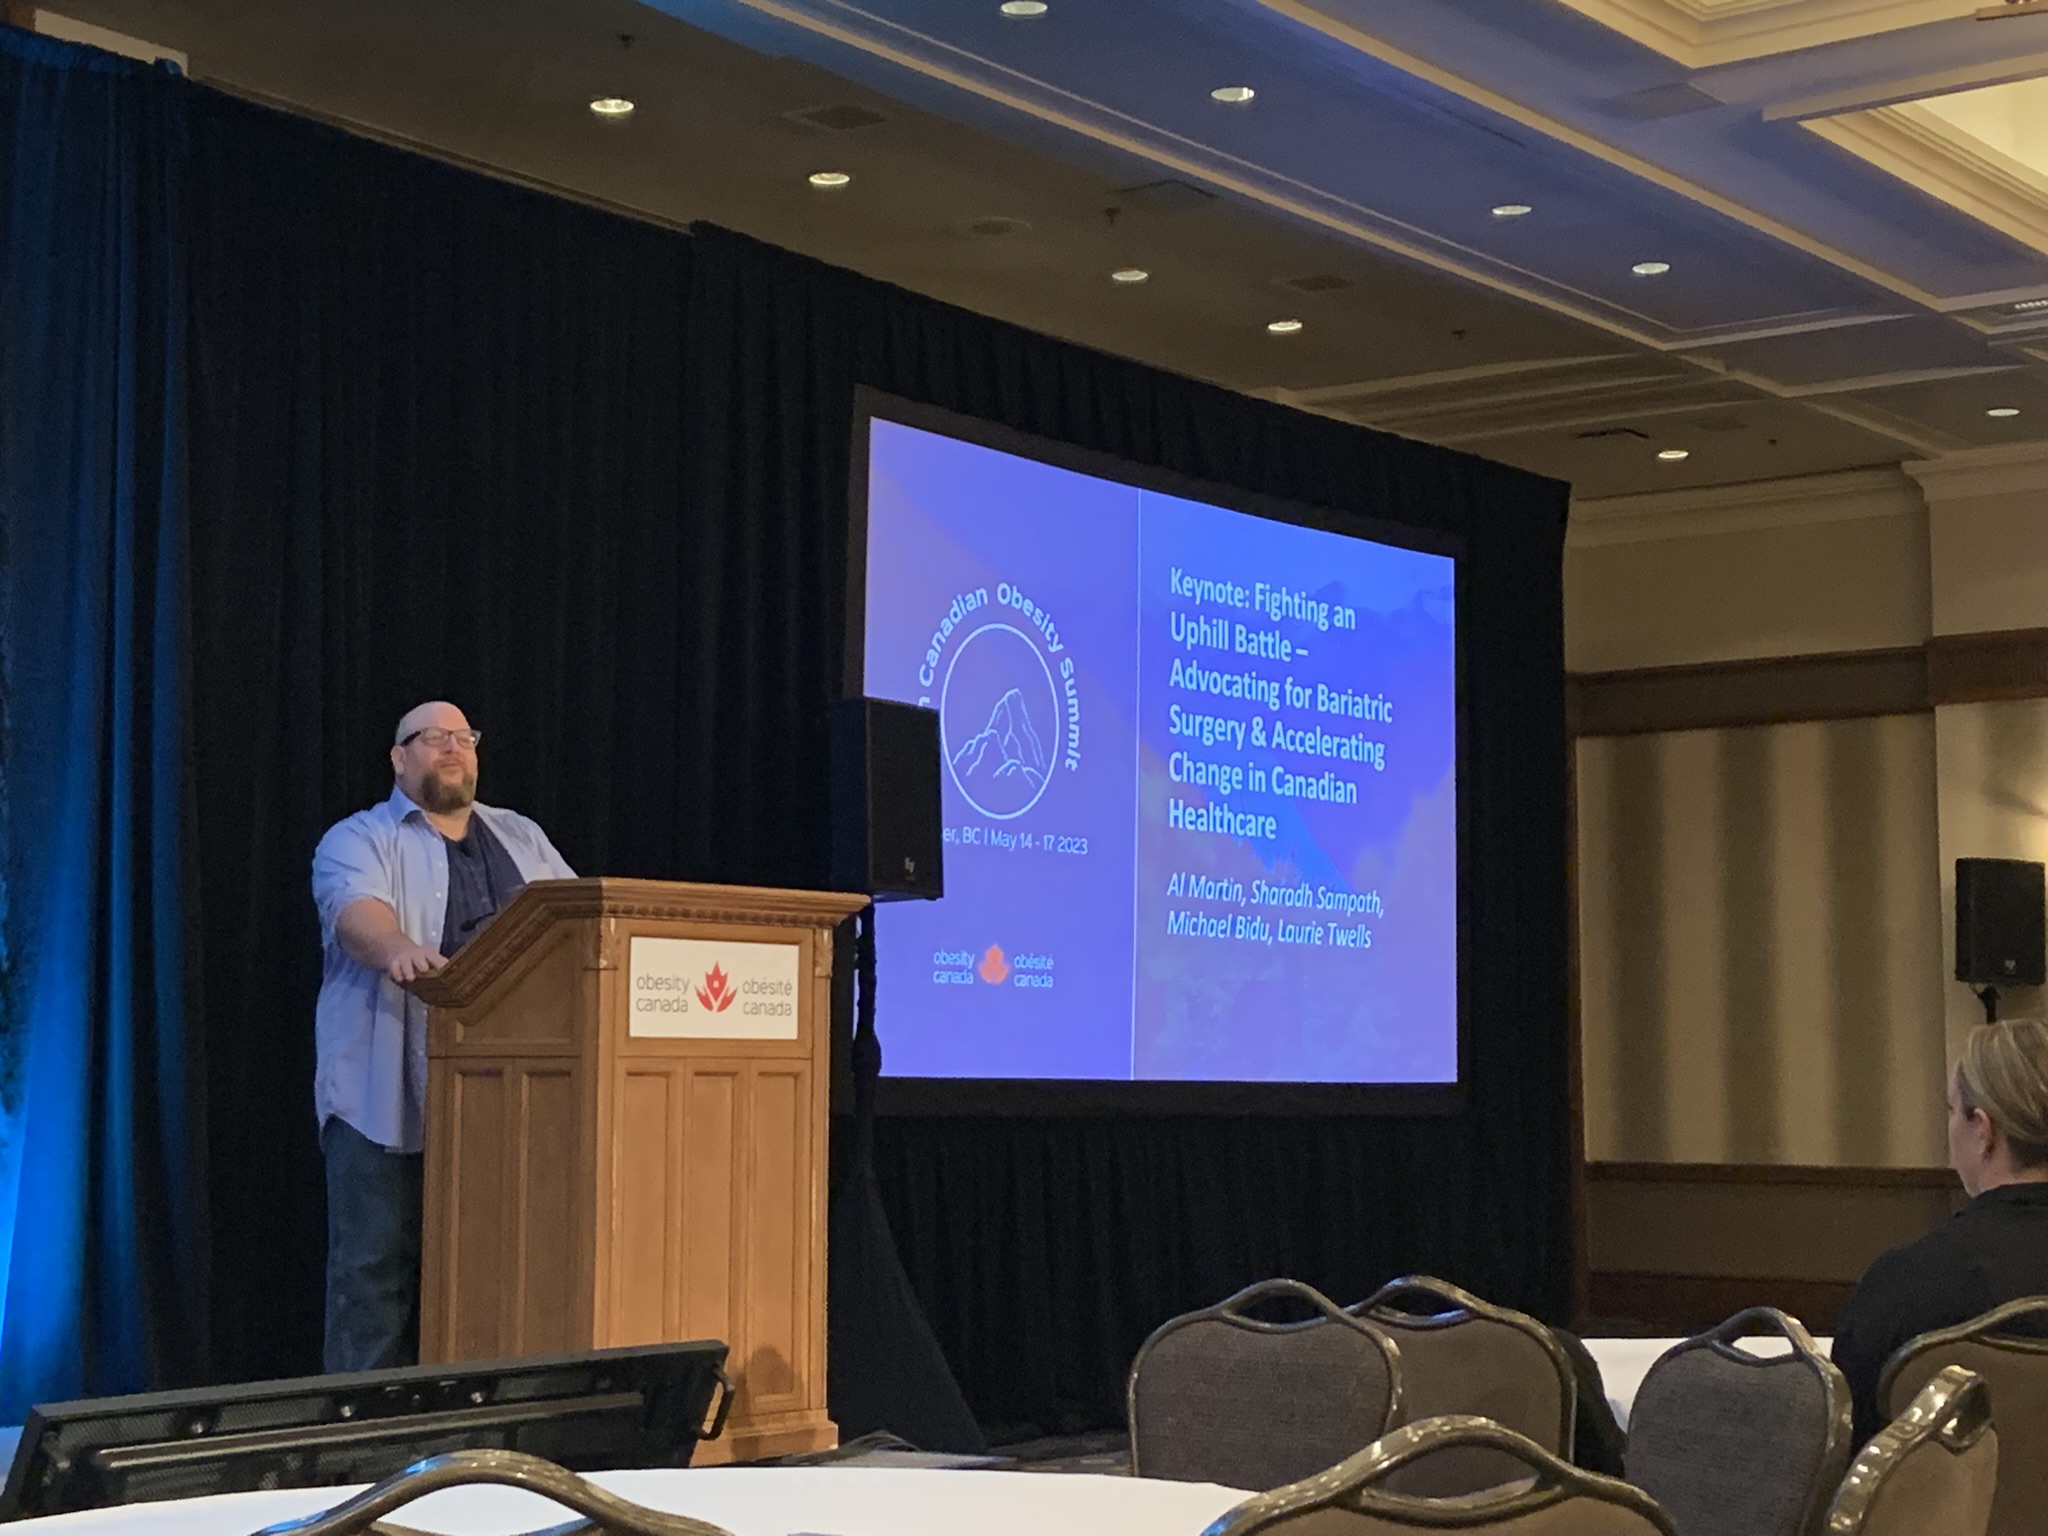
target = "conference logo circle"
x: 1008, y: 700
x: 999, y: 721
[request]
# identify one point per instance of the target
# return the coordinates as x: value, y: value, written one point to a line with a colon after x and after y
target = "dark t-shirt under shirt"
x: 1992, y: 1251
x: 481, y: 879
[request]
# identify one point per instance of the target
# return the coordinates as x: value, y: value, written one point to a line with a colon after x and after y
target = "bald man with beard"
x: 400, y: 888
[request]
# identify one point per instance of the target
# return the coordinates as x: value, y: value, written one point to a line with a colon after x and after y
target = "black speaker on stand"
x: 885, y: 1371
x: 2001, y: 926
x: 887, y: 838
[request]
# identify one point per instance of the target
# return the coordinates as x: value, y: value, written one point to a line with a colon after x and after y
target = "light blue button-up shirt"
x: 371, y: 1033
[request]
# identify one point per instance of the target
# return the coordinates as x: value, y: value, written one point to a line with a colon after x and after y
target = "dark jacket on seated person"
x: 1992, y: 1251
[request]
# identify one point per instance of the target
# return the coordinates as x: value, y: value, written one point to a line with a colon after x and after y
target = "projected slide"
x: 1200, y: 796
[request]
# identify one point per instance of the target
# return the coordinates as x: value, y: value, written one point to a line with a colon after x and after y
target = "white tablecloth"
x: 748, y: 1501
x: 1625, y: 1362
x: 812, y: 1501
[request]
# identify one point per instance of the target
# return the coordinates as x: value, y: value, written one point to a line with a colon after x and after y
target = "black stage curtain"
x: 1045, y: 1249
x: 436, y: 450
x: 102, y: 1210
x: 590, y: 479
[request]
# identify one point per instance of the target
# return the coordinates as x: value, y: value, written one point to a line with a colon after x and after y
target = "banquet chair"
x: 603, y: 1513
x: 1221, y: 1396
x: 1548, y: 1497
x: 1461, y: 1355
x: 1931, y: 1472
x: 1736, y: 1444
x: 2008, y: 1347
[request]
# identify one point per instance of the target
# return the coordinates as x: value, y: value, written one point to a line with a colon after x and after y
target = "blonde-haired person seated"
x: 1992, y: 1251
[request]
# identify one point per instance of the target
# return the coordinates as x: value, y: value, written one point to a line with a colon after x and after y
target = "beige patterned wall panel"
x: 1760, y: 944
x: 1994, y: 804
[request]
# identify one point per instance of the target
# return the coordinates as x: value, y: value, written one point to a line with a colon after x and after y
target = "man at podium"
x: 400, y: 888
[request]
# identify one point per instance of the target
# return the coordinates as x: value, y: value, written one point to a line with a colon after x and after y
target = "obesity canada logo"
x: 1008, y: 700
x: 716, y: 993
x: 961, y: 967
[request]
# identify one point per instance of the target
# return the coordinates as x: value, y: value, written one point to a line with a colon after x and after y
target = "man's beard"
x: 441, y: 797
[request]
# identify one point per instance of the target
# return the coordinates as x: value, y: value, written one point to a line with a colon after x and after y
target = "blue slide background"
x: 1080, y: 937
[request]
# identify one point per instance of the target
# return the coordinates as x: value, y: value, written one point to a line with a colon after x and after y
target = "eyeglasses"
x: 440, y: 736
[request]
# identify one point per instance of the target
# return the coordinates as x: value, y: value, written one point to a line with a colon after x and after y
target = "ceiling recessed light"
x: 829, y: 178
x: 612, y: 107
x: 1129, y: 275
x: 1283, y: 327
x: 1650, y: 268
x: 2026, y: 304
x: 2003, y: 410
x: 1673, y: 455
x: 1512, y: 210
x: 1022, y: 7
x: 1232, y: 95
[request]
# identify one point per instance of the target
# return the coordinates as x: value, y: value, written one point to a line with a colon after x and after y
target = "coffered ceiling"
x: 1854, y: 273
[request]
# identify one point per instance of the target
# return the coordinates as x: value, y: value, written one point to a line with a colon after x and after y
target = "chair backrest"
x: 2014, y: 1366
x: 1461, y: 1355
x: 1221, y: 1397
x: 1736, y: 1444
x: 1932, y: 1471
x: 1548, y: 1496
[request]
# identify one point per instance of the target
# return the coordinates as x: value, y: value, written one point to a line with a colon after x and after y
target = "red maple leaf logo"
x: 716, y: 994
x: 993, y: 966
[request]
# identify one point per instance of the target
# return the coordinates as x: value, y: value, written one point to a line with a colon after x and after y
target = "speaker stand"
x: 884, y: 1370
x: 1988, y: 996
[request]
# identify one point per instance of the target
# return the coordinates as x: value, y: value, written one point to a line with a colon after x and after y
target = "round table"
x: 748, y: 1501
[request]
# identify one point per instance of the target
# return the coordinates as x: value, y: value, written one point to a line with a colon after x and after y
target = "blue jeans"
x: 373, y: 1252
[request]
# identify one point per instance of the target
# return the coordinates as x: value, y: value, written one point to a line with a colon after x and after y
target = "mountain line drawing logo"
x: 1009, y: 735
x: 1001, y: 722
x: 717, y: 993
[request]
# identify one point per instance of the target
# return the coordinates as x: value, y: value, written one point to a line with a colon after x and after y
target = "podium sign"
x: 706, y: 989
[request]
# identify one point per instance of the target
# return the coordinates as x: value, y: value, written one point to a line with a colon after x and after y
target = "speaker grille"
x: 887, y: 838
x: 2001, y: 922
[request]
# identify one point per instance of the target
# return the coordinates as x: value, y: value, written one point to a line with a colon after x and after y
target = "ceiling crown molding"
x: 1926, y: 151
x: 1474, y: 405
x: 2007, y: 470
x: 1703, y: 33
x: 1850, y: 496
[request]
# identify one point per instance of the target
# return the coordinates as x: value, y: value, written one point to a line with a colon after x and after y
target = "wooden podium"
x: 626, y: 1137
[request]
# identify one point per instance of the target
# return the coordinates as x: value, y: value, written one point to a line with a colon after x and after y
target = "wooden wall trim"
x: 2001, y: 664
x: 1773, y: 690
x: 1833, y: 685
x: 1681, y: 1305
x: 16, y: 13
x: 1770, y: 1173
